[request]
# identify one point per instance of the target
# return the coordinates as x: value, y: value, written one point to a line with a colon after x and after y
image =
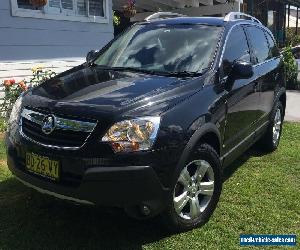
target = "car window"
x: 259, y: 43
x: 273, y: 50
x: 164, y: 48
x: 236, y: 49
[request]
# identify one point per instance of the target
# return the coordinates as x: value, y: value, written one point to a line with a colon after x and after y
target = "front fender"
x: 192, y: 143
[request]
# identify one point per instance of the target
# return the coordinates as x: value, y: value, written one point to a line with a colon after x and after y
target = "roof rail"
x: 163, y: 15
x: 239, y: 15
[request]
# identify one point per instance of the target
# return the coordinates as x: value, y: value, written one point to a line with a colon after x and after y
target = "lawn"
x: 261, y: 195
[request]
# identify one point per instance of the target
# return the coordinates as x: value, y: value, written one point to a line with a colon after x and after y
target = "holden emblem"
x: 48, y: 124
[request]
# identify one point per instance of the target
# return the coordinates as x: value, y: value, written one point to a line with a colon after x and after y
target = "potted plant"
x: 38, y: 3
x: 129, y: 9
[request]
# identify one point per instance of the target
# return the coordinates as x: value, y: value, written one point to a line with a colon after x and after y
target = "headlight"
x: 15, y: 112
x: 133, y: 135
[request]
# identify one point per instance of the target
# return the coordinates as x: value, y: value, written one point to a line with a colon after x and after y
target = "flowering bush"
x: 12, y: 92
x: 129, y: 9
x: 14, y: 89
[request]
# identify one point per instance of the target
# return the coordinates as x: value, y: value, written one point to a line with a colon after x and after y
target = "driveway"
x: 293, y: 106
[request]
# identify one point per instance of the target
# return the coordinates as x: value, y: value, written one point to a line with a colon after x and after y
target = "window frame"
x: 66, y: 15
x: 269, y: 34
x: 57, y: 11
x: 255, y: 59
x: 241, y: 27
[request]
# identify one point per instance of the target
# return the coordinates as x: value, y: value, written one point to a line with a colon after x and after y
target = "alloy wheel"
x: 194, y: 189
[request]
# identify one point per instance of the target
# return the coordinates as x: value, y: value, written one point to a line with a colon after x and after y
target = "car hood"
x: 91, y: 90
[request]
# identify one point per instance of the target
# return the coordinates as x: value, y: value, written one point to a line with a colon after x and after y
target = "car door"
x: 242, y: 97
x: 266, y: 67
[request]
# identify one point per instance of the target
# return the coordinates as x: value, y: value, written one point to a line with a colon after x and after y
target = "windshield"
x: 176, y: 48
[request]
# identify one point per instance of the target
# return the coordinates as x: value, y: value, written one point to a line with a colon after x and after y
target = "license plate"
x: 42, y: 166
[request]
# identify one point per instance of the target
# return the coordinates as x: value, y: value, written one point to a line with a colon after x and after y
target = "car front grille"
x: 66, y: 133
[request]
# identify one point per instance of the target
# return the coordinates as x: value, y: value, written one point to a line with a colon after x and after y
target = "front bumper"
x: 121, y: 186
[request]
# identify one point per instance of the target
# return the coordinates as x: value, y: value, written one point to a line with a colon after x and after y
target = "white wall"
x: 34, y: 38
x: 25, y: 42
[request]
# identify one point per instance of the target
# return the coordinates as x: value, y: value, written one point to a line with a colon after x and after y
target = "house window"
x: 25, y: 4
x: 96, y: 8
x: 73, y: 10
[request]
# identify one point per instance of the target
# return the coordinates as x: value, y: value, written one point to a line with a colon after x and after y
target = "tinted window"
x: 237, y: 49
x: 273, y: 50
x: 259, y: 43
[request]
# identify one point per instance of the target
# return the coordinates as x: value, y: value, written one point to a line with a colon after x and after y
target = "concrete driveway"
x: 293, y: 106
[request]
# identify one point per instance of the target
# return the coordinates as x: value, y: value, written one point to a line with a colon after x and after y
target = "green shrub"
x: 291, y: 68
x: 116, y: 19
x: 291, y: 38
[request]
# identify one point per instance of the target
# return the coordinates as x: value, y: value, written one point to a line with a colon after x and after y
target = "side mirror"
x: 91, y: 55
x: 241, y: 70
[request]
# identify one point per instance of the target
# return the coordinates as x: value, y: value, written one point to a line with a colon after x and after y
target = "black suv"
x: 149, y: 122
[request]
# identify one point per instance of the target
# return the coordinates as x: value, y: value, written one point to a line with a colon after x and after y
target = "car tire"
x: 194, y: 199
x: 270, y: 140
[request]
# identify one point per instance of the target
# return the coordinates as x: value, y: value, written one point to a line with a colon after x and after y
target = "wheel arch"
x: 282, y: 99
x: 281, y: 96
x: 207, y: 133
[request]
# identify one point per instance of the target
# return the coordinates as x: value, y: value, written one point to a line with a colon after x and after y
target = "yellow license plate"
x: 42, y: 166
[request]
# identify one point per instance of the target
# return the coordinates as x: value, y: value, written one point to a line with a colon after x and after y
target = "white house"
x: 58, y: 35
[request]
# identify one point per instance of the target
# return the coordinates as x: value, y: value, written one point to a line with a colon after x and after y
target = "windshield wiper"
x: 154, y: 72
x: 147, y: 71
x: 132, y: 69
x: 161, y: 73
x: 184, y: 73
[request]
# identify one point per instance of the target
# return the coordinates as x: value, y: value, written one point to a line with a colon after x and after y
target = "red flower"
x: 8, y: 83
x: 23, y: 85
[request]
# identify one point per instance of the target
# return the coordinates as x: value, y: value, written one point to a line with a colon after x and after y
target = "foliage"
x: 3, y: 125
x: 291, y: 68
x: 14, y: 89
x: 130, y: 4
x: 291, y: 38
x: 129, y: 9
x: 116, y: 19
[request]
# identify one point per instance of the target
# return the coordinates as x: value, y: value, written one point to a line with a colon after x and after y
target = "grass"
x: 260, y: 195
x: 3, y: 124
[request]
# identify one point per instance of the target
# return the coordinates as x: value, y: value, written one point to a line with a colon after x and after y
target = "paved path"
x: 293, y: 106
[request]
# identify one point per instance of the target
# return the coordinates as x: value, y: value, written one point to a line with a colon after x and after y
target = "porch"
x: 187, y: 7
